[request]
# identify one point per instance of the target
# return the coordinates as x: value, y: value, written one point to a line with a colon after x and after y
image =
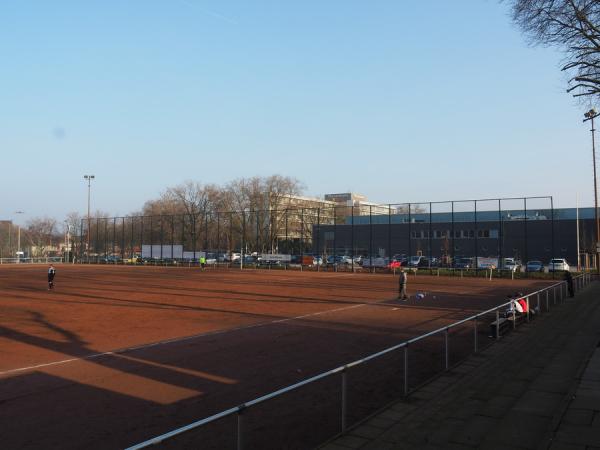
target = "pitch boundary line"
x: 174, y: 340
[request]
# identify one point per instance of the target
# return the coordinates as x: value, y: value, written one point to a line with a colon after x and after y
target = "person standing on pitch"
x: 51, y: 273
x: 402, y: 285
x: 202, y: 262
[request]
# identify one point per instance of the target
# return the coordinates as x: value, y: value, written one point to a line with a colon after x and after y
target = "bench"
x: 506, y: 323
x: 500, y: 325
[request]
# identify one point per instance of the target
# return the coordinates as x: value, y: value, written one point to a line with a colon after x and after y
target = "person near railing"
x: 569, y: 280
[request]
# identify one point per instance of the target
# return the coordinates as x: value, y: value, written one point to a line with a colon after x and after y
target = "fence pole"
x: 538, y: 304
x: 527, y: 299
x: 240, y: 428
x: 406, y: 370
x: 547, y: 301
x: 318, y: 252
x: 344, y: 399
x: 475, y: 333
x: 554, y: 295
x: 446, y: 348
x: 514, y: 311
x: 497, y: 325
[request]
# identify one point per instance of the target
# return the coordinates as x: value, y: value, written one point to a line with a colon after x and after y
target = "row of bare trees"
x: 195, y: 199
x: 254, y: 212
x: 207, y: 214
x: 38, y: 237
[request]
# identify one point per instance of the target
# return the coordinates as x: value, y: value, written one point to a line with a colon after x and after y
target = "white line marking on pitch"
x: 175, y: 340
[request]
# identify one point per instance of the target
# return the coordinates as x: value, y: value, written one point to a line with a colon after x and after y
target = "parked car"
x: 262, y: 262
x: 249, y: 259
x: 417, y: 261
x: 133, y: 260
x: 558, y: 264
x: 463, y: 263
x: 394, y: 265
x: 511, y: 265
x: 112, y: 259
x: 230, y: 257
x: 534, y: 266
x: 339, y: 259
x: 401, y: 258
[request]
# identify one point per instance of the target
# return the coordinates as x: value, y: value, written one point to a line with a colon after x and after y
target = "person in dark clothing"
x: 569, y: 280
x: 51, y: 274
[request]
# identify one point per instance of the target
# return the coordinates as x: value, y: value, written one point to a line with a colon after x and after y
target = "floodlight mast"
x: 89, y: 179
x: 591, y: 115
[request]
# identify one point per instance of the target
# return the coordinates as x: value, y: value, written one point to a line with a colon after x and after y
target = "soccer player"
x: 51, y: 273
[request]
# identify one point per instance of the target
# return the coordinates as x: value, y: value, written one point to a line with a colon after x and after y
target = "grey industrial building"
x: 535, y: 235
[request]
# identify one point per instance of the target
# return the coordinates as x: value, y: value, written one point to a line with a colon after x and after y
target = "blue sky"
x: 400, y: 101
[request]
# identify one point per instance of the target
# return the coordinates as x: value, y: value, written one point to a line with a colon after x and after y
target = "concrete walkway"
x: 537, y: 388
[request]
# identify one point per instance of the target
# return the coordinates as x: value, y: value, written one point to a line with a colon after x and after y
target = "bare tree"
x: 7, y: 238
x: 268, y: 199
x: 574, y: 26
x: 40, y: 232
x: 73, y: 223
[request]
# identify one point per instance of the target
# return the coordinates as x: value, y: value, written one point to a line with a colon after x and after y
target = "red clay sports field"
x: 116, y: 355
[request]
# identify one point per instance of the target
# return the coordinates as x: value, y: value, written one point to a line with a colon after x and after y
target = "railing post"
x: 538, y: 304
x: 446, y: 337
x: 406, y: 370
x: 344, y: 399
x: 475, y: 333
x: 554, y: 295
x: 497, y: 325
x: 514, y: 310
x: 240, y: 427
x: 547, y: 301
x: 527, y: 299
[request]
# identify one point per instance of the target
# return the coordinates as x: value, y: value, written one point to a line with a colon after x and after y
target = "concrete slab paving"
x: 538, y: 387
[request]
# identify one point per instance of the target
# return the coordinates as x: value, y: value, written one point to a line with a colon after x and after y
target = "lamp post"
x: 67, y: 241
x: 19, y: 237
x: 89, y: 179
x: 591, y: 115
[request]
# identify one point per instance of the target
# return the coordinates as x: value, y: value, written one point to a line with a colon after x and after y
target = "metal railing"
x: 547, y: 296
x: 36, y: 260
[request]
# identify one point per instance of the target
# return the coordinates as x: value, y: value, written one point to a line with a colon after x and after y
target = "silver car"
x: 534, y: 266
x: 558, y: 264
